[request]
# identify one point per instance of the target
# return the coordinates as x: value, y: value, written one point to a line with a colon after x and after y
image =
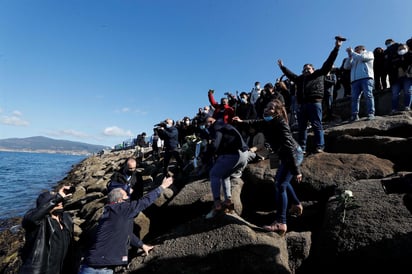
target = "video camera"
x: 159, y: 125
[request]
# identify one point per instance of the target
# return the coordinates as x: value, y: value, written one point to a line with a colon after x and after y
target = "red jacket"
x: 221, y: 111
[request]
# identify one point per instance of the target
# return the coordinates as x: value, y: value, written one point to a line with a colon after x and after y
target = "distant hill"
x: 42, y: 144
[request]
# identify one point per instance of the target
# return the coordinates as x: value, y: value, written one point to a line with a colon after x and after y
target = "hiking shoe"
x: 216, y: 210
x: 354, y: 118
x: 319, y: 150
x: 371, y: 117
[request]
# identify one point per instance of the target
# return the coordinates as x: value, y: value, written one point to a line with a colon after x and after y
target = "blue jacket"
x: 111, y: 242
x: 170, y: 137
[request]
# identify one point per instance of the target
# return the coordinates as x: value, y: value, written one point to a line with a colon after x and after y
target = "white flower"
x: 348, y: 194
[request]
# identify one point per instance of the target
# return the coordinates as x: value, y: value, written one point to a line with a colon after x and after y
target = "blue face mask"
x: 202, y: 127
x: 267, y: 118
x: 168, y: 126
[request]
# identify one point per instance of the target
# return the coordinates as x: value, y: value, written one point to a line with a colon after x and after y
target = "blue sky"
x: 100, y: 71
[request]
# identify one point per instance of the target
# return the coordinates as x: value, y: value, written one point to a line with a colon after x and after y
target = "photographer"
x: 49, y: 233
x: 170, y: 136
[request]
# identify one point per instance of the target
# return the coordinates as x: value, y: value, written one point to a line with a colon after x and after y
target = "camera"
x: 71, y: 190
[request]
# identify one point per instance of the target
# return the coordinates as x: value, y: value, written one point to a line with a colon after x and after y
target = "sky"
x: 103, y: 71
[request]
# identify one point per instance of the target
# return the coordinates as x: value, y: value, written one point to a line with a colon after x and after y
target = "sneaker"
x: 355, y: 118
x: 371, y: 117
x: 296, y: 210
x: 319, y: 150
x: 228, y: 206
x: 216, y: 210
x: 407, y: 108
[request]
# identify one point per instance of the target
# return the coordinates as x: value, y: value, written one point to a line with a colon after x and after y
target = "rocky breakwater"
x: 349, y: 224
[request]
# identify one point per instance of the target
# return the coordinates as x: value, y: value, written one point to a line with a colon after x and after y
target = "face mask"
x: 267, y: 118
x: 168, y: 126
x: 257, y: 87
x: 244, y: 100
x: 402, y: 51
x: 202, y: 127
x: 58, y: 212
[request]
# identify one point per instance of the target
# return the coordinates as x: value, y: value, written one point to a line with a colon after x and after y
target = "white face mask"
x: 257, y: 87
x: 402, y: 51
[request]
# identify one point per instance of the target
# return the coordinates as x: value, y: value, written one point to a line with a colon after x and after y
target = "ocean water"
x: 23, y: 176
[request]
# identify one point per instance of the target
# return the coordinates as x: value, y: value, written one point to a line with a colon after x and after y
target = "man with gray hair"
x: 111, y: 242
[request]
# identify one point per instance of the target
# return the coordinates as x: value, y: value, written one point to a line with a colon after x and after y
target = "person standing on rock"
x: 169, y: 133
x: 310, y: 92
x: 49, y: 233
x: 275, y: 127
x: 111, y: 242
x: 231, y: 156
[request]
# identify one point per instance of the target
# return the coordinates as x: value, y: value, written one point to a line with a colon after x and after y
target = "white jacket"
x: 360, y: 65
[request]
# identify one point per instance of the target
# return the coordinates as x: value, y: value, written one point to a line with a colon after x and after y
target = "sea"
x: 23, y: 176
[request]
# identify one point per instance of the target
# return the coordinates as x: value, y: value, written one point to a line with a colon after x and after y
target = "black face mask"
x: 58, y: 212
x: 128, y: 172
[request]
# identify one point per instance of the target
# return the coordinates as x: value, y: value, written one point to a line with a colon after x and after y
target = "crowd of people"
x: 222, y: 138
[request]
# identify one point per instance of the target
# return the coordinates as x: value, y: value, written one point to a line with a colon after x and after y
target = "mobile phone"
x: 72, y: 189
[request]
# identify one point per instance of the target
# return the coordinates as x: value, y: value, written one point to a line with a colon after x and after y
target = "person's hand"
x: 349, y: 51
x: 299, y: 178
x: 338, y: 43
x: 167, y: 181
x: 147, y: 248
x: 63, y: 191
x: 280, y: 63
x: 237, y: 119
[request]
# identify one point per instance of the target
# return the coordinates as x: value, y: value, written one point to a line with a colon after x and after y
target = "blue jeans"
x: 85, y: 269
x: 364, y: 86
x: 284, y: 188
x: 311, y: 112
x: 405, y: 84
x: 224, y: 166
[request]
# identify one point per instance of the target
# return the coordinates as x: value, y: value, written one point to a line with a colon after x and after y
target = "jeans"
x: 311, y: 112
x: 284, y: 188
x: 85, y: 269
x: 363, y: 86
x: 219, y: 174
x: 405, y: 84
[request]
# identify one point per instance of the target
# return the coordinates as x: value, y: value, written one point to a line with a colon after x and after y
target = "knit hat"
x: 44, y: 198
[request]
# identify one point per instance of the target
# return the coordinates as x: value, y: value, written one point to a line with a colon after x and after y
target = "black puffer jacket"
x: 310, y: 88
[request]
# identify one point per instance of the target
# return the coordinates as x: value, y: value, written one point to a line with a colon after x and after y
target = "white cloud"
x: 15, y: 120
x: 116, y: 131
x: 74, y: 133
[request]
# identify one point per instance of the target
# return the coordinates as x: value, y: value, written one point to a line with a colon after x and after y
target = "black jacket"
x: 226, y: 139
x: 310, y: 88
x: 37, y: 223
x: 278, y: 135
x: 119, y: 179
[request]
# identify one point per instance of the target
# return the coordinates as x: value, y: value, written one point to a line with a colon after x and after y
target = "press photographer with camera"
x: 49, y: 233
x: 168, y: 132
